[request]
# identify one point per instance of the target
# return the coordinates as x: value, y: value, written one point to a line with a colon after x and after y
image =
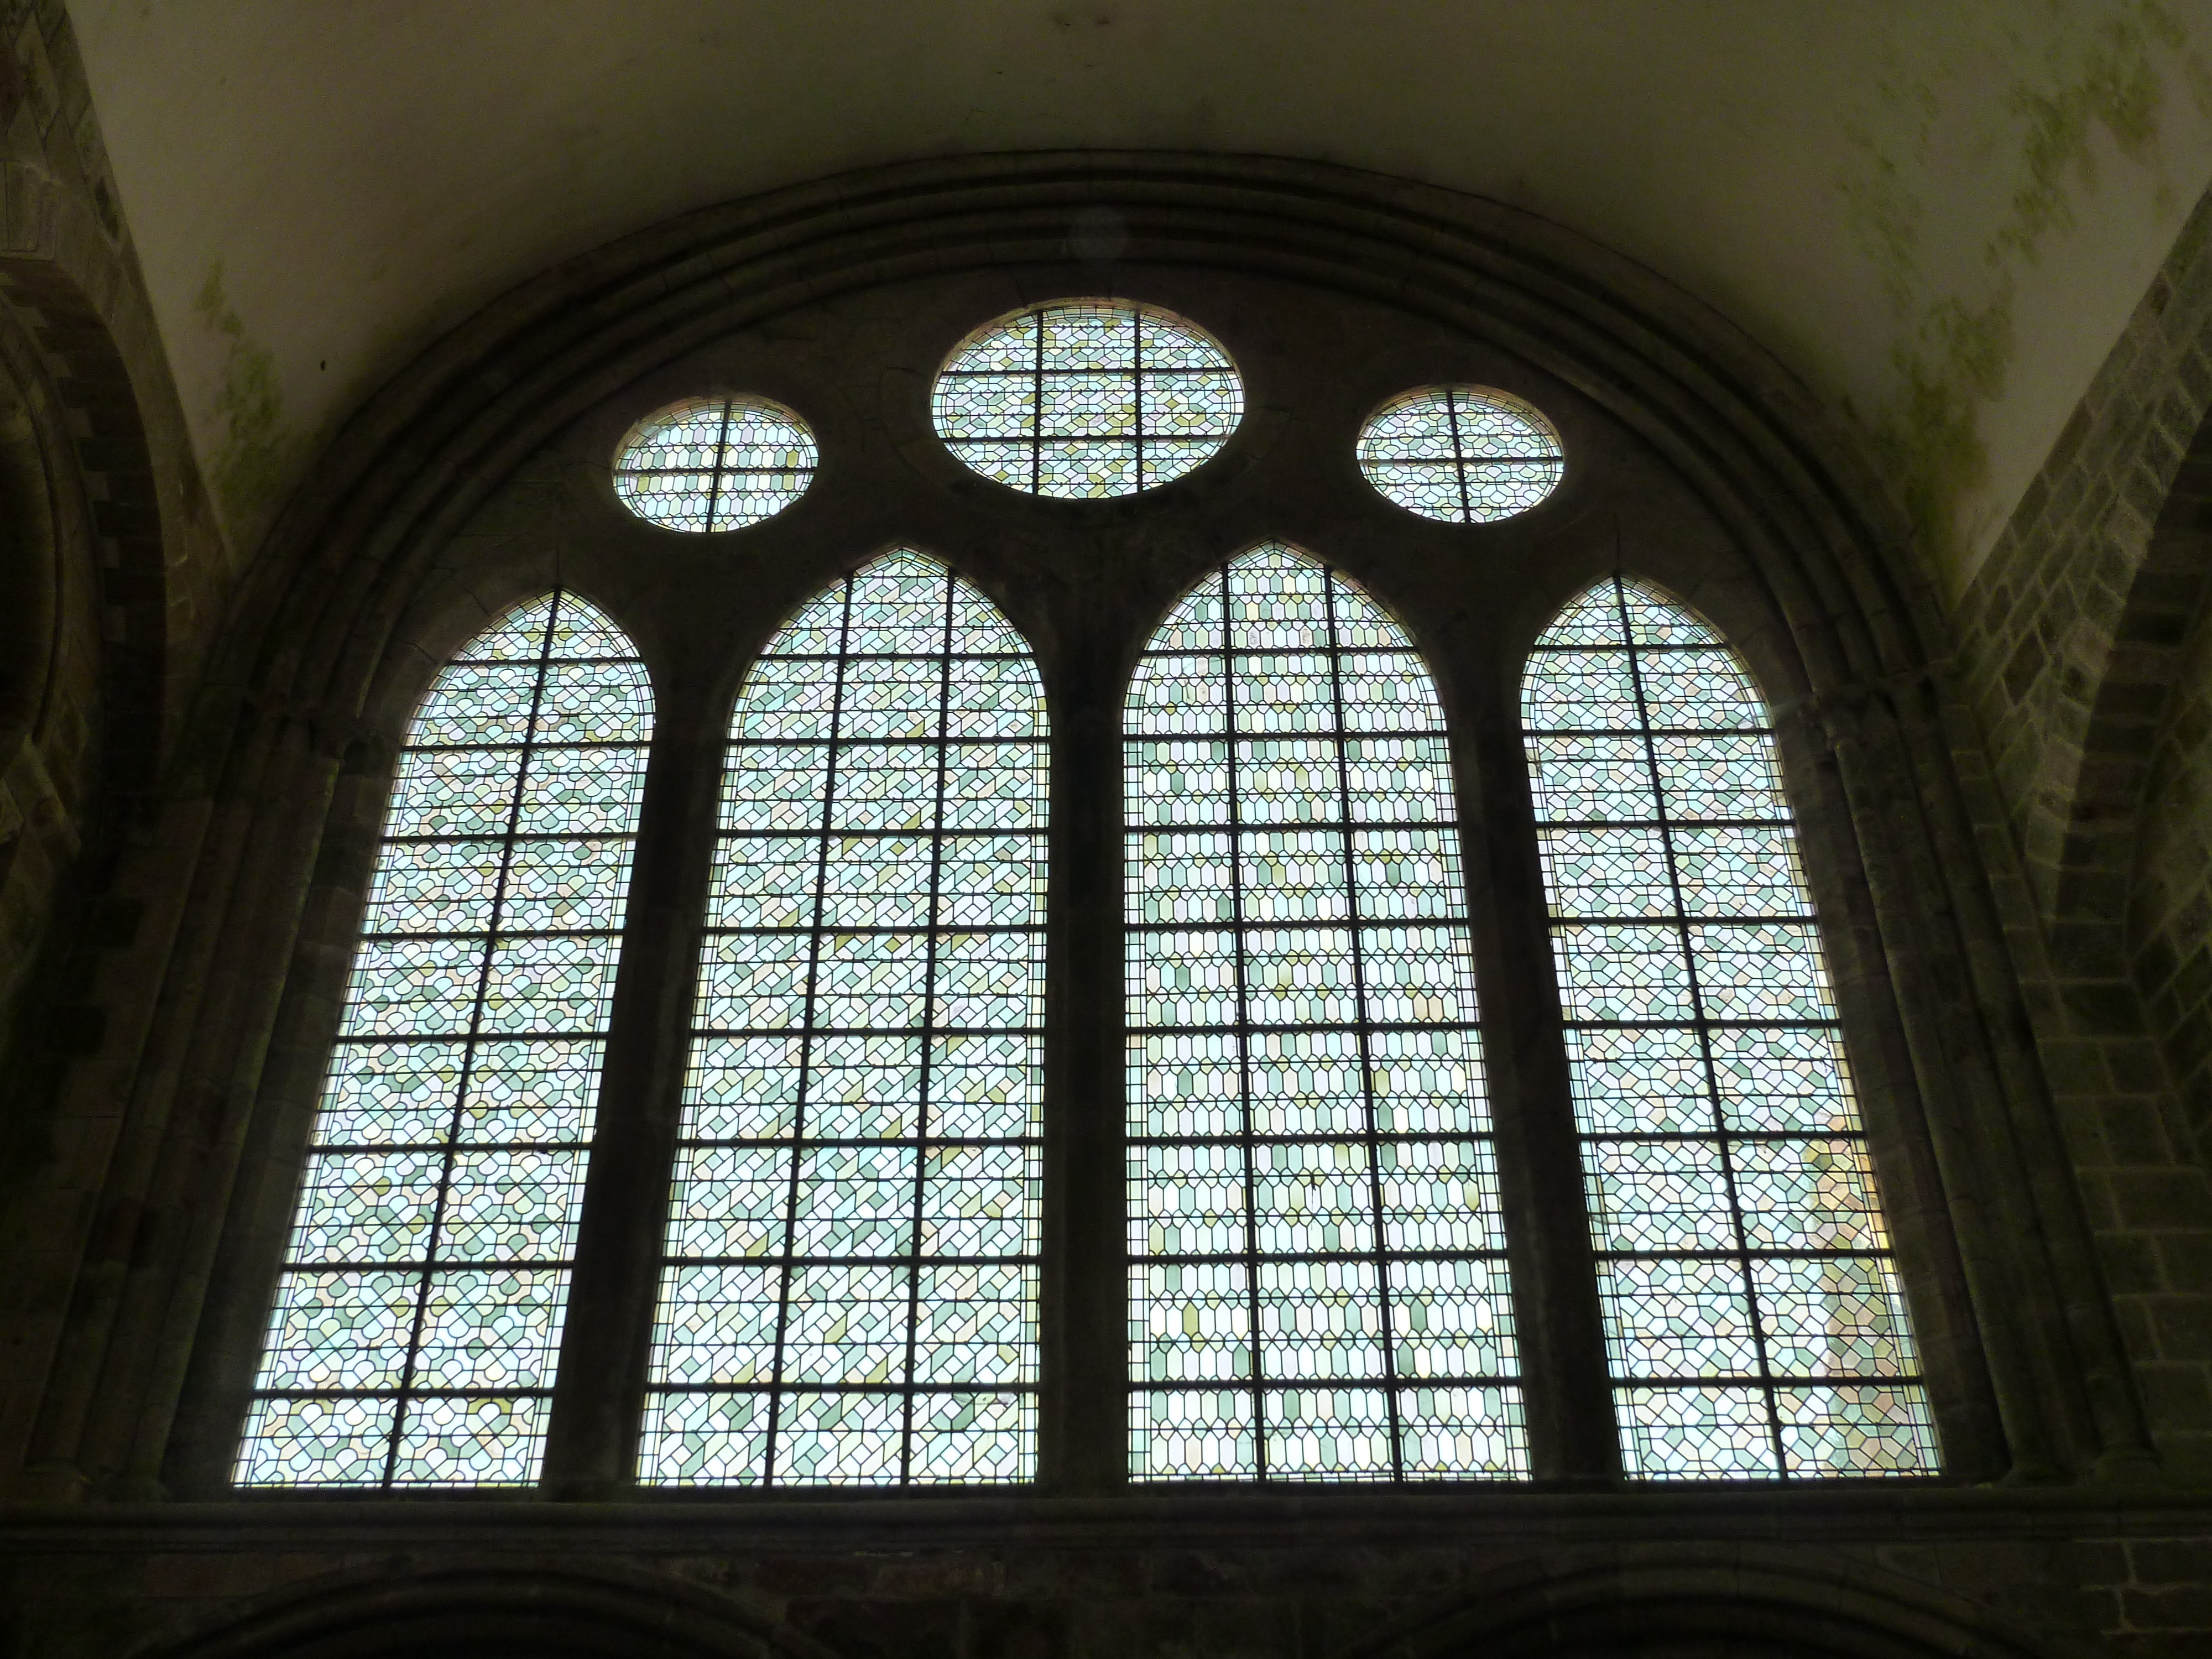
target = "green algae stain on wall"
x: 2096, y: 72
x: 248, y: 462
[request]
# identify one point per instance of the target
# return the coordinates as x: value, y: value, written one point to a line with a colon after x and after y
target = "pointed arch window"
x: 850, y: 1290
x: 1752, y: 1309
x: 419, y: 1307
x: 1317, y: 1284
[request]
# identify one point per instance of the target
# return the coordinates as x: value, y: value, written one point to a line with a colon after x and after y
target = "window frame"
x: 1084, y: 673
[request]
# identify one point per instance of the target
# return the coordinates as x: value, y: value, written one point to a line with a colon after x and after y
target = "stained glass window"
x: 1317, y: 1286
x: 420, y: 1309
x: 1752, y: 1309
x: 851, y: 1286
x: 714, y: 464
x: 1465, y: 454
x: 1087, y: 398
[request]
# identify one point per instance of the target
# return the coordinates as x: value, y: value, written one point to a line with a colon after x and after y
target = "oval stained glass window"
x: 1086, y: 399
x: 714, y: 464
x: 1463, y: 454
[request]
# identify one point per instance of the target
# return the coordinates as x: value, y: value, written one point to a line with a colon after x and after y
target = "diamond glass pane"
x: 419, y: 1314
x: 1087, y: 398
x: 1752, y: 1309
x: 850, y: 1288
x: 1318, y: 1290
x: 714, y: 464
x: 1465, y: 454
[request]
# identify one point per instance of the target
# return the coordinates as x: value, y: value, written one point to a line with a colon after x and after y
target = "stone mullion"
x: 1558, y: 1325
x: 599, y: 1391
x: 1084, y: 1406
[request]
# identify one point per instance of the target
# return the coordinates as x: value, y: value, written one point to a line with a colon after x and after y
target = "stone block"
x: 2168, y: 1608
x: 2170, y: 1560
x: 2176, y: 1397
x: 2154, y: 1198
x: 2184, y: 1324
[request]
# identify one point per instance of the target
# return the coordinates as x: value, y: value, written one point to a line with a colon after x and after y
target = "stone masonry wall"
x: 1346, y: 1577
x: 2067, y: 644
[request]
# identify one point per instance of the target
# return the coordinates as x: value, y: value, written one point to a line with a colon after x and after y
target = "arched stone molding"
x: 1689, y: 1601
x: 500, y: 1611
x: 64, y: 284
x: 51, y: 704
x: 311, y: 634
x: 157, y: 576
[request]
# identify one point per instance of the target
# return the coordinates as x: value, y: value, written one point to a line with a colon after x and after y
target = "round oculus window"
x: 1084, y: 399
x: 714, y: 464
x: 1465, y: 454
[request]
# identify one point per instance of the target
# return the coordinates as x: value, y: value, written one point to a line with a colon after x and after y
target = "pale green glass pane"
x: 1857, y: 1429
x: 1187, y: 1200
x: 704, y: 1439
x: 1191, y: 1322
x: 294, y: 1442
x: 839, y: 1439
x: 1694, y: 1434
x: 1451, y: 1319
x: 1322, y: 1433
x: 1463, y: 1433
x: 470, y: 1442
x: 973, y: 1439
x: 1304, y: 1083
x: 1192, y: 1434
x: 1678, y: 1317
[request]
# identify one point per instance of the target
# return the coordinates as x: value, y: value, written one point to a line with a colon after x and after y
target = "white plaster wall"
x: 360, y: 174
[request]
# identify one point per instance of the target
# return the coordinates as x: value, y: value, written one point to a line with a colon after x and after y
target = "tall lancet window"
x: 420, y: 1310
x: 851, y: 1286
x: 1752, y: 1309
x: 1318, y: 1285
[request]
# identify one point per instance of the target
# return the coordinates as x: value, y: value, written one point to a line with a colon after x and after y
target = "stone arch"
x: 311, y: 634
x: 57, y: 264
x: 1691, y: 1601
x: 492, y: 1610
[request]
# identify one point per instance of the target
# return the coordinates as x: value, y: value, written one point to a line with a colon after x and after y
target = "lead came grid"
x: 1087, y: 398
x: 1751, y: 1308
x: 1318, y: 1285
x: 419, y: 1313
x: 850, y: 1290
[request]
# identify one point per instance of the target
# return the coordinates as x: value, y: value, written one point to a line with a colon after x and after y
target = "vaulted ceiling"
x: 1939, y: 212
